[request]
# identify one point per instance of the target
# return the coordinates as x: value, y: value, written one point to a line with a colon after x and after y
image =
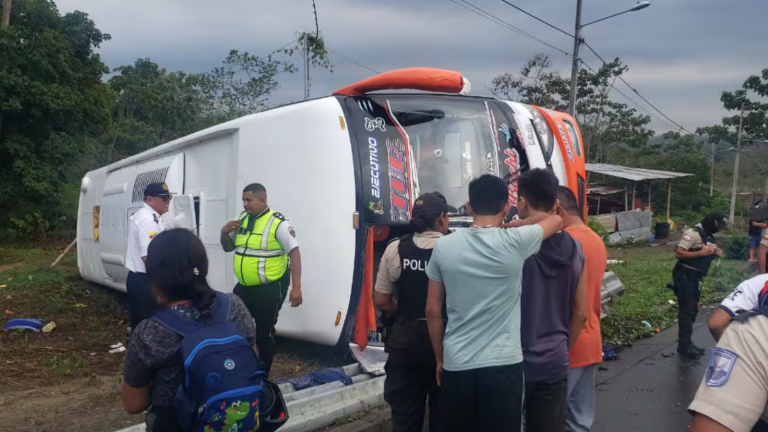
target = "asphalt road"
x: 650, y: 386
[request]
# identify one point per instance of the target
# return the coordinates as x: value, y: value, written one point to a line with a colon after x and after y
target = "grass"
x: 88, y: 320
x: 645, y: 273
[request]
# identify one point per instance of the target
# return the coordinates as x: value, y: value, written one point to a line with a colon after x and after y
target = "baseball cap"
x: 157, y: 190
x: 431, y: 204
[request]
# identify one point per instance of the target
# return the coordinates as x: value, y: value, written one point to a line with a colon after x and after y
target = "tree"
x: 753, y: 97
x: 536, y: 85
x: 54, y: 105
x: 606, y: 125
x: 242, y: 85
x: 153, y: 106
x: 315, y: 50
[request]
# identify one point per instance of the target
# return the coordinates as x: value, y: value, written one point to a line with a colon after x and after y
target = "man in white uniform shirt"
x: 752, y: 294
x: 143, y: 226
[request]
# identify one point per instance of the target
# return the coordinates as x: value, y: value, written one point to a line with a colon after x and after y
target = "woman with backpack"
x: 197, y: 353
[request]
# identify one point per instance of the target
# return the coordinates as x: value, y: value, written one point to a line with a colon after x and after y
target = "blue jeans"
x: 754, y: 242
x: 581, y: 399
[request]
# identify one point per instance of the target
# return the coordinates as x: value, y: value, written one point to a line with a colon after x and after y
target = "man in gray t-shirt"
x: 478, y: 272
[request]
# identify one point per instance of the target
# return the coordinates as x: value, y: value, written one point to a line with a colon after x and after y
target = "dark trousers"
x: 264, y: 303
x: 485, y: 400
x: 546, y: 406
x: 408, y: 388
x: 688, y: 291
x: 141, y: 302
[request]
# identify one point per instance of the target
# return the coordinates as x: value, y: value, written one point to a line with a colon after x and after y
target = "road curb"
x: 379, y: 420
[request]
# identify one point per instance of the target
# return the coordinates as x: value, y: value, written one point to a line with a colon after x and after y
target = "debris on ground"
x: 317, y: 378
x: 9, y: 312
x: 30, y: 324
x: 647, y: 324
x: 3, y: 286
x: 609, y: 353
x: 117, y: 348
x: 49, y: 327
x: 672, y: 302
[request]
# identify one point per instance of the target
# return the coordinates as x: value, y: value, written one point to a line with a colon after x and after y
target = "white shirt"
x: 286, y: 236
x: 749, y: 295
x: 143, y: 226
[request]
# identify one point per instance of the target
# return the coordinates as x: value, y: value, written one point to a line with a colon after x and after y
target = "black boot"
x: 700, y: 350
x: 688, y: 351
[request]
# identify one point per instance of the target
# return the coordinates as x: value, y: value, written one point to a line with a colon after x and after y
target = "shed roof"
x: 634, y: 174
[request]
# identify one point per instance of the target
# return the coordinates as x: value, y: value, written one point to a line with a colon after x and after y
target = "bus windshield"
x: 446, y: 141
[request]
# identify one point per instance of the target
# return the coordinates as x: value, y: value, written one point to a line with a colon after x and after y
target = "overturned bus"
x: 345, y: 169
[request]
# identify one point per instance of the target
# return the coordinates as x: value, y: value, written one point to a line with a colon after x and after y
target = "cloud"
x: 681, y: 54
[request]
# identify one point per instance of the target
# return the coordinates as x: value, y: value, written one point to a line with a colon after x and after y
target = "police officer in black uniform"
x: 411, y: 365
x: 695, y: 253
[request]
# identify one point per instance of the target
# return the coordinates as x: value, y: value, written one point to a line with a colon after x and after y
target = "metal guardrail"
x: 612, y: 287
x: 317, y: 407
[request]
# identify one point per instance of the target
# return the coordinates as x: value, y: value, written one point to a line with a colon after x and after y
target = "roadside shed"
x: 635, y: 175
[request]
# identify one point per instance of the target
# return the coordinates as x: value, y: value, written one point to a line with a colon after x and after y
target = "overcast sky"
x: 682, y: 53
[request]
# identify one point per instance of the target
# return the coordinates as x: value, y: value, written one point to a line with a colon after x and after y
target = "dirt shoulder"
x: 67, y: 380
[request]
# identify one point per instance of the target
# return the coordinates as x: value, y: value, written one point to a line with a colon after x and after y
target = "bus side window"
x: 574, y: 137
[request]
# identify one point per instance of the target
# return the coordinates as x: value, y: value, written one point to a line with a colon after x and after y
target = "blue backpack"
x: 223, y: 385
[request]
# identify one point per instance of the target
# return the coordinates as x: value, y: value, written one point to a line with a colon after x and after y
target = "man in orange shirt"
x: 587, y: 352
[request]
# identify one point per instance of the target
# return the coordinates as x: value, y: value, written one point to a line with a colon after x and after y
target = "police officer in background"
x: 695, y: 254
x: 263, y: 241
x: 411, y: 365
x: 143, y: 226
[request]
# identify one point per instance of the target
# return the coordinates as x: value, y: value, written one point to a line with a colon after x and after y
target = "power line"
x: 496, y: 20
x: 634, y: 102
x: 317, y: 25
x: 352, y: 61
x: 540, y: 20
x: 293, y: 41
x: 638, y: 93
x: 677, y: 126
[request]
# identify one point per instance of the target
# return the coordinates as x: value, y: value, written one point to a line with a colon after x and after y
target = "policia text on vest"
x: 411, y: 383
x: 267, y: 261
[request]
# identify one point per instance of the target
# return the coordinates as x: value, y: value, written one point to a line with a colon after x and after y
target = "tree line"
x: 618, y: 134
x: 64, y: 112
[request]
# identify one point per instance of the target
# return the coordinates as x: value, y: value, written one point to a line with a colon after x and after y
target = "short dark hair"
x: 255, y: 188
x: 488, y: 195
x: 567, y: 200
x: 539, y: 187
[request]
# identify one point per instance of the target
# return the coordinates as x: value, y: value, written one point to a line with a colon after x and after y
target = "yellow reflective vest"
x: 259, y: 257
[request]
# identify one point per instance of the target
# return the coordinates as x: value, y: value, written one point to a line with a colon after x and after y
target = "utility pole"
x: 306, y: 66
x: 736, y: 165
x: 712, y: 171
x: 5, y: 22
x: 6, y: 13
x: 575, y: 66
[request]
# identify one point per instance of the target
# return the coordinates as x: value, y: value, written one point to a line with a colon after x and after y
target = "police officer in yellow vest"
x: 265, y: 248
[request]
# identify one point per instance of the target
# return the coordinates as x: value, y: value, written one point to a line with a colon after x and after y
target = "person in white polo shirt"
x: 749, y: 295
x: 143, y: 226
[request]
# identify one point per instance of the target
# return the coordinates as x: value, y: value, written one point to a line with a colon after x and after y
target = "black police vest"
x: 412, y: 285
x: 700, y: 264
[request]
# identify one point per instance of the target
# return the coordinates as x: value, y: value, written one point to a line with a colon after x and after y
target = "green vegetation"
x: 645, y: 274
x: 88, y: 320
x: 60, y: 117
